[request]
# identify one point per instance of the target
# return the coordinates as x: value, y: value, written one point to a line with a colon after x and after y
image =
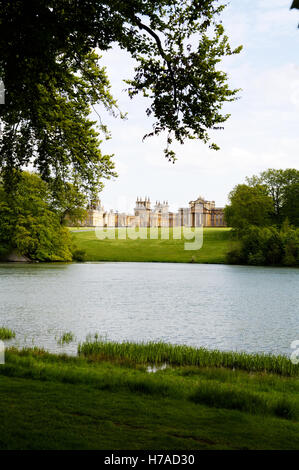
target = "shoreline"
x: 104, y: 261
x: 159, y: 353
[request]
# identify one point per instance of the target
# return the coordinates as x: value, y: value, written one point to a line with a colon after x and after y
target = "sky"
x: 261, y: 133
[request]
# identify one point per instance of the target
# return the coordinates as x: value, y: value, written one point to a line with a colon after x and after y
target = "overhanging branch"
x: 163, y: 55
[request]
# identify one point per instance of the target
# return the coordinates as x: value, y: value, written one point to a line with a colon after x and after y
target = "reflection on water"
x: 252, y: 309
x: 155, y: 368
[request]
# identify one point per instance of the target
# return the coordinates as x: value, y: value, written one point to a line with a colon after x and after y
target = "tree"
x: 248, y: 206
x: 263, y: 246
x: 54, y: 133
x: 28, y: 224
x: 295, y: 4
x: 68, y: 203
x: 53, y: 78
x: 290, y: 239
x: 290, y: 204
x: 267, y: 246
x: 276, y: 183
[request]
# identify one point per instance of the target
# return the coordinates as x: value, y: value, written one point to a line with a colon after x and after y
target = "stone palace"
x: 199, y: 213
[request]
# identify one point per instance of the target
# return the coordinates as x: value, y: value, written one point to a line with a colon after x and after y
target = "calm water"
x: 251, y: 309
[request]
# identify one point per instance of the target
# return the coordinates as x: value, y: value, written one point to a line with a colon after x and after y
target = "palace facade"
x: 199, y: 213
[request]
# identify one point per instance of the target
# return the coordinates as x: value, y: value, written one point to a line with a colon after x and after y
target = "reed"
x: 180, y: 355
x: 6, y: 333
x: 66, y: 338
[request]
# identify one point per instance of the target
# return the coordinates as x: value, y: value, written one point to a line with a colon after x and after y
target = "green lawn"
x: 59, y: 402
x: 216, y: 243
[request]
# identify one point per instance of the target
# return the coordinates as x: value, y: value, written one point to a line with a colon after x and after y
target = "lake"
x: 253, y: 309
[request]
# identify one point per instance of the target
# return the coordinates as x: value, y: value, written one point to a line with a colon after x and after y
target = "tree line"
x: 264, y: 214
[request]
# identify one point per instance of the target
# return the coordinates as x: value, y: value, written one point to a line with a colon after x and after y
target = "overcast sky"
x: 261, y: 133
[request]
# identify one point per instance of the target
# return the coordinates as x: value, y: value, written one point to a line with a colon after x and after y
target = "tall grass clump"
x: 232, y: 397
x: 6, y: 333
x: 66, y: 338
x: 180, y: 355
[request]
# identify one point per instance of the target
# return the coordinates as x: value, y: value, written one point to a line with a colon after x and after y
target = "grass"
x: 52, y: 401
x: 6, y: 333
x: 66, y: 338
x: 216, y: 244
x: 80, y: 228
x: 48, y: 415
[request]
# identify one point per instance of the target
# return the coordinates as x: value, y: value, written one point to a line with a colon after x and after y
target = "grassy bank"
x: 216, y: 244
x: 110, y: 399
